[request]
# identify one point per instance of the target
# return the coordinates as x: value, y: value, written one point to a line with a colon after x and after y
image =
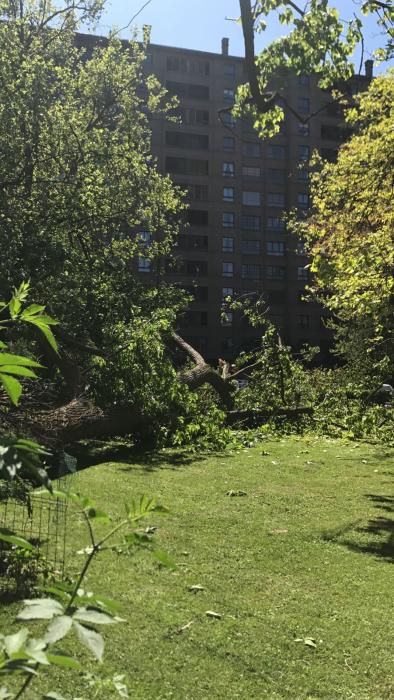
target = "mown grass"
x: 306, y: 553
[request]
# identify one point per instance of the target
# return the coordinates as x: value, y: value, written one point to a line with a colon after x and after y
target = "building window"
x: 228, y: 219
x: 228, y: 194
x: 302, y: 274
x: 303, y: 80
x: 228, y: 95
x: 303, y: 129
x: 276, y: 151
x: 250, y: 247
x: 276, y: 223
x: 276, y: 199
x: 186, y: 166
x: 302, y: 200
x: 184, y: 65
x: 276, y: 248
x: 229, y: 70
x: 303, y: 104
x: 277, y: 176
x: 227, y: 119
x: 226, y: 318
x: 302, y: 175
x: 227, y: 245
x: 251, y: 150
x: 192, y: 91
x: 303, y: 152
x: 251, y: 199
x: 300, y: 248
x: 179, y: 139
x: 303, y: 321
x: 274, y: 272
x: 228, y: 143
x: 198, y: 192
x: 227, y: 292
x: 145, y: 237
x: 199, y: 116
x: 144, y: 265
x: 250, y: 223
x: 228, y: 169
x: 251, y: 172
x: 250, y: 272
x: 188, y: 242
x: 197, y: 217
x: 227, y: 269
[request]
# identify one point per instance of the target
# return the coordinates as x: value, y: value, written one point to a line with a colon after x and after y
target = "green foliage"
x: 349, y: 235
x: 317, y: 42
x: 79, y: 185
x: 70, y: 608
x: 201, y: 423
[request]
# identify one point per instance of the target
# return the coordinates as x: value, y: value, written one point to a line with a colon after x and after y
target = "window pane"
x: 303, y: 152
x: 251, y: 223
x: 275, y: 247
x: 276, y: 273
x: 251, y: 150
x: 227, y: 292
x: 251, y: 172
x: 303, y: 105
x: 144, y: 265
x: 227, y: 245
x: 250, y: 272
x: 276, y: 223
x: 227, y: 269
x: 228, y: 143
x: 228, y: 169
x: 251, y: 247
x: 228, y: 194
x: 276, y: 199
x: 276, y: 151
x: 251, y: 199
x: 302, y: 273
x: 228, y: 219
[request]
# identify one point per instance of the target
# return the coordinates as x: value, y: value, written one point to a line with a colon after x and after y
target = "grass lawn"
x: 306, y: 553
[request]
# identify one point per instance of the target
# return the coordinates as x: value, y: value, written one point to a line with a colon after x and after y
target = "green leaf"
x: 18, y: 370
x: 58, y: 629
x: 4, y: 694
x: 43, y: 323
x: 7, y: 358
x: 40, y: 609
x: 95, y: 617
x: 35, y: 651
x: 63, y: 661
x: 98, y: 515
x: 20, y: 542
x: 53, y: 696
x: 14, y: 642
x: 12, y: 387
x: 31, y: 311
x: 91, y: 639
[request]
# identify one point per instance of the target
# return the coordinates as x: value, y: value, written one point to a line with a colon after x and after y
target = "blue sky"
x: 200, y: 24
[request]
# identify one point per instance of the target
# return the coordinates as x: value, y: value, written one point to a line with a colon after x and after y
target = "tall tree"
x: 80, y: 194
x: 350, y: 232
x: 318, y: 41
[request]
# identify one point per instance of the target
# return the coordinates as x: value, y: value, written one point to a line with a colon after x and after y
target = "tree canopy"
x: 350, y: 231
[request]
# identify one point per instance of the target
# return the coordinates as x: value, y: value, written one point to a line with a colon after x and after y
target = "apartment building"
x: 234, y: 242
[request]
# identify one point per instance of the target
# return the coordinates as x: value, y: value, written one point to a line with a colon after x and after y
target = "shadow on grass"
x: 376, y: 537
x: 133, y: 457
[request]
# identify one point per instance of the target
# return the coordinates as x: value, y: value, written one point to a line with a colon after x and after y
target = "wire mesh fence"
x: 39, y: 518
